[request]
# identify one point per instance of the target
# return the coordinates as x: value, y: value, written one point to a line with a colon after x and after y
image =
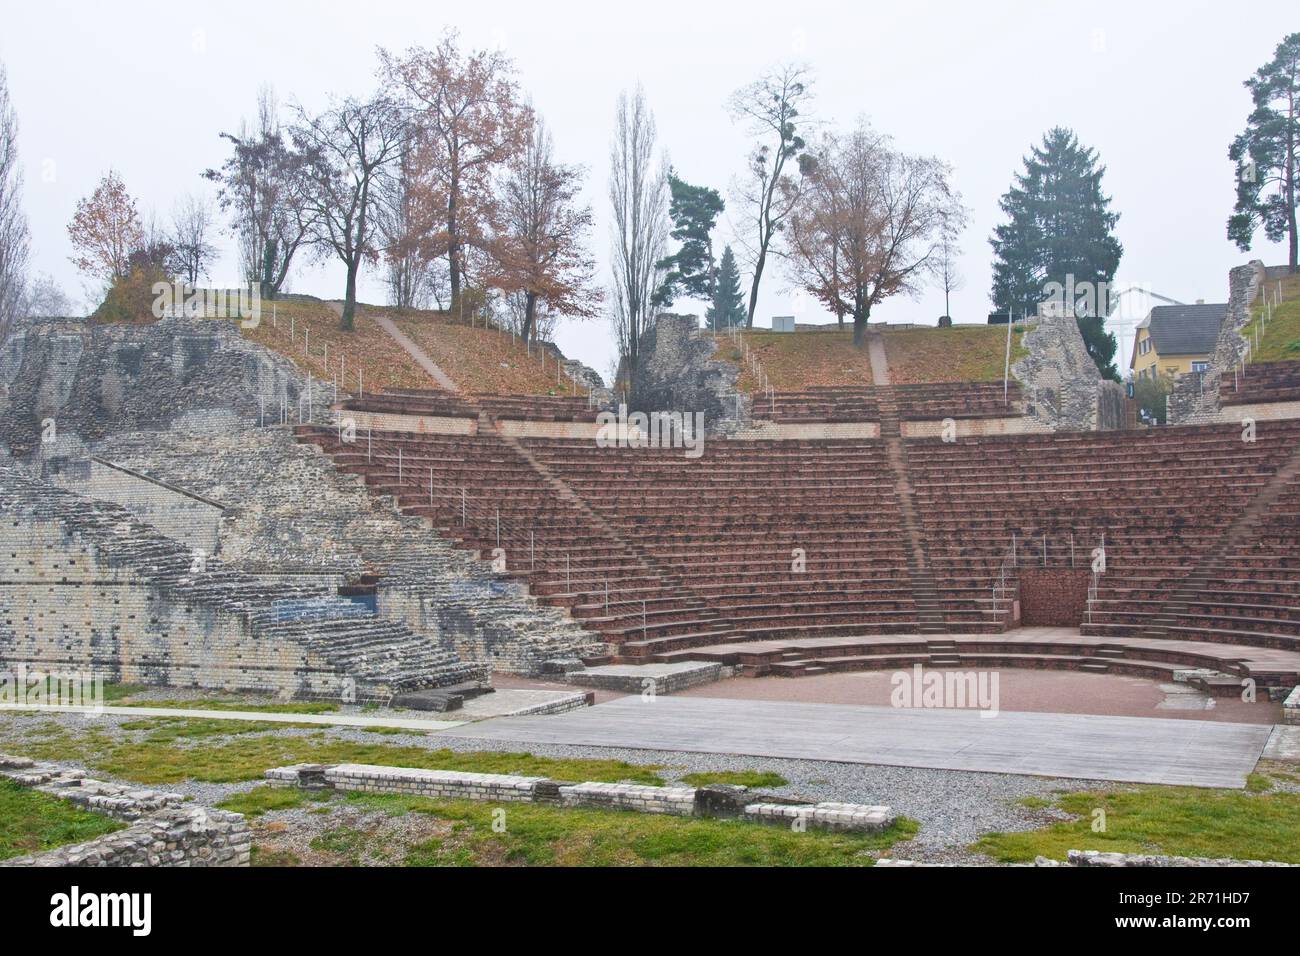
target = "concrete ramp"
x: 1127, y: 749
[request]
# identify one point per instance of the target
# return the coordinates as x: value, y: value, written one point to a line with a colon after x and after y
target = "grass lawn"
x: 480, y: 359
x: 31, y: 822
x: 740, y: 778
x: 123, y: 695
x: 795, y: 360
x: 1260, y: 823
x: 487, y: 834
x: 1281, y: 337
x: 383, y: 363
x: 169, y: 750
x: 960, y: 353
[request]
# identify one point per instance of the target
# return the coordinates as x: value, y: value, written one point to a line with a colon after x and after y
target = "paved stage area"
x: 1128, y: 749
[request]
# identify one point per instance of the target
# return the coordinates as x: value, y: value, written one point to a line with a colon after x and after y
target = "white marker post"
x: 1006, y: 364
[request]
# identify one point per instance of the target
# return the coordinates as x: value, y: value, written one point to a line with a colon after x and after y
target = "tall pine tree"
x: 690, y: 270
x: 1267, y: 155
x: 1060, y: 226
x: 728, y: 308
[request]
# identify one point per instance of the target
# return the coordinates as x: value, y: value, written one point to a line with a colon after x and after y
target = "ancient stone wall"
x: 164, y: 830
x: 93, y: 380
x: 180, y: 515
x: 1061, y: 384
x: 86, y: 588
x: 289, y: 511
x: 1195, y: 398
x: 640, y: 798
x: 1053, y: 597
x: 677, y: 372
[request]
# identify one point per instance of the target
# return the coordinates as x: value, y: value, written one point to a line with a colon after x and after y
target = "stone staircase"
x: 925, y: 595
x: 1207, y: 571
x: 345, y: 648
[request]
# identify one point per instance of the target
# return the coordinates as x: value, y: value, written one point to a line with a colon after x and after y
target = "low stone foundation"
x: 1098, y: 858
x: 505, y: 788
x: 1291, y: 707
x: 648, y: 678
x: 164, y: 830
x: 839, y: 817
x: 676, y: 801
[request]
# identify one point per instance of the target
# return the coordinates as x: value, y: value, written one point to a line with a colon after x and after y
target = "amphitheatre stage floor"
x: 1081, y: 746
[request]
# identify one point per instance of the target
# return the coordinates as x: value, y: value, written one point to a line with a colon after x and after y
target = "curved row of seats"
x: 1261, y: 382
x: 661, y: 553
x: 860, y: 403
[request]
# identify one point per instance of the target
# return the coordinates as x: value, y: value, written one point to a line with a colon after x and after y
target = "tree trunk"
x: 453, y: 244
x: 753, y: 289
x: 346, y: 323
x: 530, y: 315
x: 1290, y: 208
x: 860, y: 316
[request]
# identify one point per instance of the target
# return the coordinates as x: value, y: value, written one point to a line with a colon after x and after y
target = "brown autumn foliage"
x: 869, y: 223
x: 541, y: 252
x: 106, y: 230
x: 467, y: 121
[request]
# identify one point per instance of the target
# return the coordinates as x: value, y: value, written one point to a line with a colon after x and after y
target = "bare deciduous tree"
x: 946, y: 270
x: 412, y: 275
x: 345, y: 150
x: 541, y: 250
x: 773, y: 107
x: 14, y: 237
x: 638, y: 195
x: 46, y: 299
x: 264, y: 186
x: 191, y: 235
x: 870, y: 223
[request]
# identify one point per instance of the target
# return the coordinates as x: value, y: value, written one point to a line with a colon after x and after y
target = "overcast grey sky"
x: 1156, y: 88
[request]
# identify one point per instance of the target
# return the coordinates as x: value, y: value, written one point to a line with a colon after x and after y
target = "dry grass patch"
x: 480, y: 359
x: 293, y: 324
x: 795, y: 360
x: 961, y: 353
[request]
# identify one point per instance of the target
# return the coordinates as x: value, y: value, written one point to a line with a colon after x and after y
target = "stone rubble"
x: 731, y: 801
x: 164, y: 830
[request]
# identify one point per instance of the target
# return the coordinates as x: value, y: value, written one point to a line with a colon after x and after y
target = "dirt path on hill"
x: 421, y: 357
x: 879, y: 361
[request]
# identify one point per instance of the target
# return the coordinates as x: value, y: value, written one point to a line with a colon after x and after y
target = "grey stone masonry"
x: 163, y: 831
x: 94, y: 380
x: 676, y: 801
x: 87, y: 588
x: 840, y: 817
x: 641, y: 798
x: 1063, y: 389
x: 648, y: 678
x: 1291, y: 707
x: 676, y: 371
x: 289, y: 510
x: 1100, y: 858
x: 1195, y: 399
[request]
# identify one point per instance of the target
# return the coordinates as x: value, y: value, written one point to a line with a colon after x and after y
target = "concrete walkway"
x: 421, y: 357
x: 1128, y: 749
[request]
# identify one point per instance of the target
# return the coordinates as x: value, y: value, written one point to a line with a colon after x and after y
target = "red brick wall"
x: 1053, y: 597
